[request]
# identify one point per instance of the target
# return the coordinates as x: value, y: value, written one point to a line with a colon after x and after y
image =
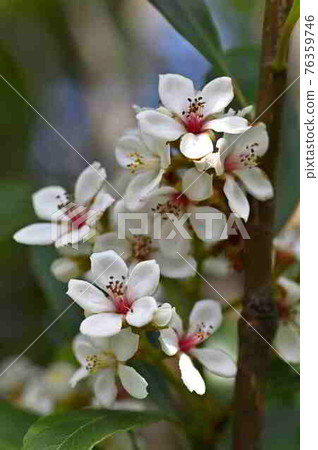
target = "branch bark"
x: 259, y: 309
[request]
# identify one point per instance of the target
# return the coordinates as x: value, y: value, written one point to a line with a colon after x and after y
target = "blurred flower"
x: 147, y: 158
x: 204, y: 320
x: 70, y: 222
x: 105, y: 357
x: 192, y: 115
x: 125, y: 297
x: 15, y: 372
x: 287, y: 340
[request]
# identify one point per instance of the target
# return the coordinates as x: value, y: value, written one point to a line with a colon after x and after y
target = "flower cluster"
x: 191, y: 162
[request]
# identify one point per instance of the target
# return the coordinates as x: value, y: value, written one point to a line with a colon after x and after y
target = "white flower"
x: 204, y: 320
x: 70, y: 222
x: 287, y: 341
x: 192, y: 115
x: 137, y: 247
x: 208, y: 223
x: 105, y: 358
x: 147, y: 158
x: 123, y: 297
x: 72, y: 263
x: 15, y: 372
x: 287, y: 244
x: 238, y: 157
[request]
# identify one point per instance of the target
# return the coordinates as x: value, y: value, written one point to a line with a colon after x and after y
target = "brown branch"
x: 258, y: 305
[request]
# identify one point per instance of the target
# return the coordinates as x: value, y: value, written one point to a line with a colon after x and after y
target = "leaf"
x: 14, y: 423
x: 194, y: 22
x: 82, y: 430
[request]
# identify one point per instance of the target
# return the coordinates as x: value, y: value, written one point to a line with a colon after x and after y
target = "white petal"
x: 128, y: 145
x: 195, y: 146
x: 64, y: 269
x: 176, y: 267
x: 110, y: 241
x: 236, y: 198
x: 108, y: 264
x: 143, y: 280
x: 287, y: 342
x: 46, y: 201
x: 36, y: 234
x: 171, y: 247
x: 102, y: 325
x: 169, y: 341
x: 176, y: 323
x: 134, y: 383
x: 142, y: 311
x: 89, y: 182
x: 160, y: 125
x: 256, y: 183
x: 256, y: 134
x: 78, y: 375
x: 125, y: 344
x: 206, y: 313
x: 140, y: 187
x: 218, y: 266
x: 208, y: 223
x: 190, y: 375
x: 174, y: 91
x: 217, y: 94
x: 89, y: 297
x: 103, y: 201
x: 196, y: 185
x: 162, y: 315
x: 216, y: 361
x: 82, y: 347
x: 292, y: 289
x: 105, y: 388
x: 228, y: 124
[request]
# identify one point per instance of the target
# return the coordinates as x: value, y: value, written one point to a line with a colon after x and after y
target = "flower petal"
x: 216, y: 361
x: 236, y: 198
x: 140, y: 187
x: 190, y: 375
x: 256, y: 138
x: 198, y: 186
x: 195, y: 146
x: 128, y: 145
x: 65, y: 268
x: 108, y: 264
x: 102, y: 325
x: 110, y: 241
x: 89, y: 297
x: 287, y: 342
x: 78, y: 375
x: 105, y: 388
x: 174, y: 91
x: 160, y: 125
x: 142, y: 311
x: 82, y: 347
x: 256, y: 183
x: 89, y: 183
x: 134, y: 383
x: 143, y: 279
x: 36, y: 234
x: 46, y: 201
x: 176, y: 267
x: 169, y: 341
x: 163, y: 315
x: 103, y: 201
x: 292, y: 288
x: 208, y: 223
x: 217, y: 95
x: 125, y: 344
x: 227, y: 124
x: 206, y: 314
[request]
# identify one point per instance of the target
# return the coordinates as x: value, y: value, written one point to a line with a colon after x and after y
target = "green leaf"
x: 194, y: 22
x: 82, y: 430
x: 14, y: 423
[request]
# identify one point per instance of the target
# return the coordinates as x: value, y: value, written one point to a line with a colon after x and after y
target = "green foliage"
x: 82, y: 430
x: 194, y: 22
x: 14, y: 423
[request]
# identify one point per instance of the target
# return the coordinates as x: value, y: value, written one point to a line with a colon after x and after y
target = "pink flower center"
x: 244, y: 160
x: 190, y: 341
x: 193, y: 116
x: 122, y: 305
x: 75, y: 215
x: 116, y: 291
x: 179, y: 200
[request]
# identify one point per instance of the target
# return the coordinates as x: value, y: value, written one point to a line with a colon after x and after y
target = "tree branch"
x: 258, y: 306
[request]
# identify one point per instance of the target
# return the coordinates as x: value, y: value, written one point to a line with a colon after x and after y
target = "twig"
x: 258, y: 305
